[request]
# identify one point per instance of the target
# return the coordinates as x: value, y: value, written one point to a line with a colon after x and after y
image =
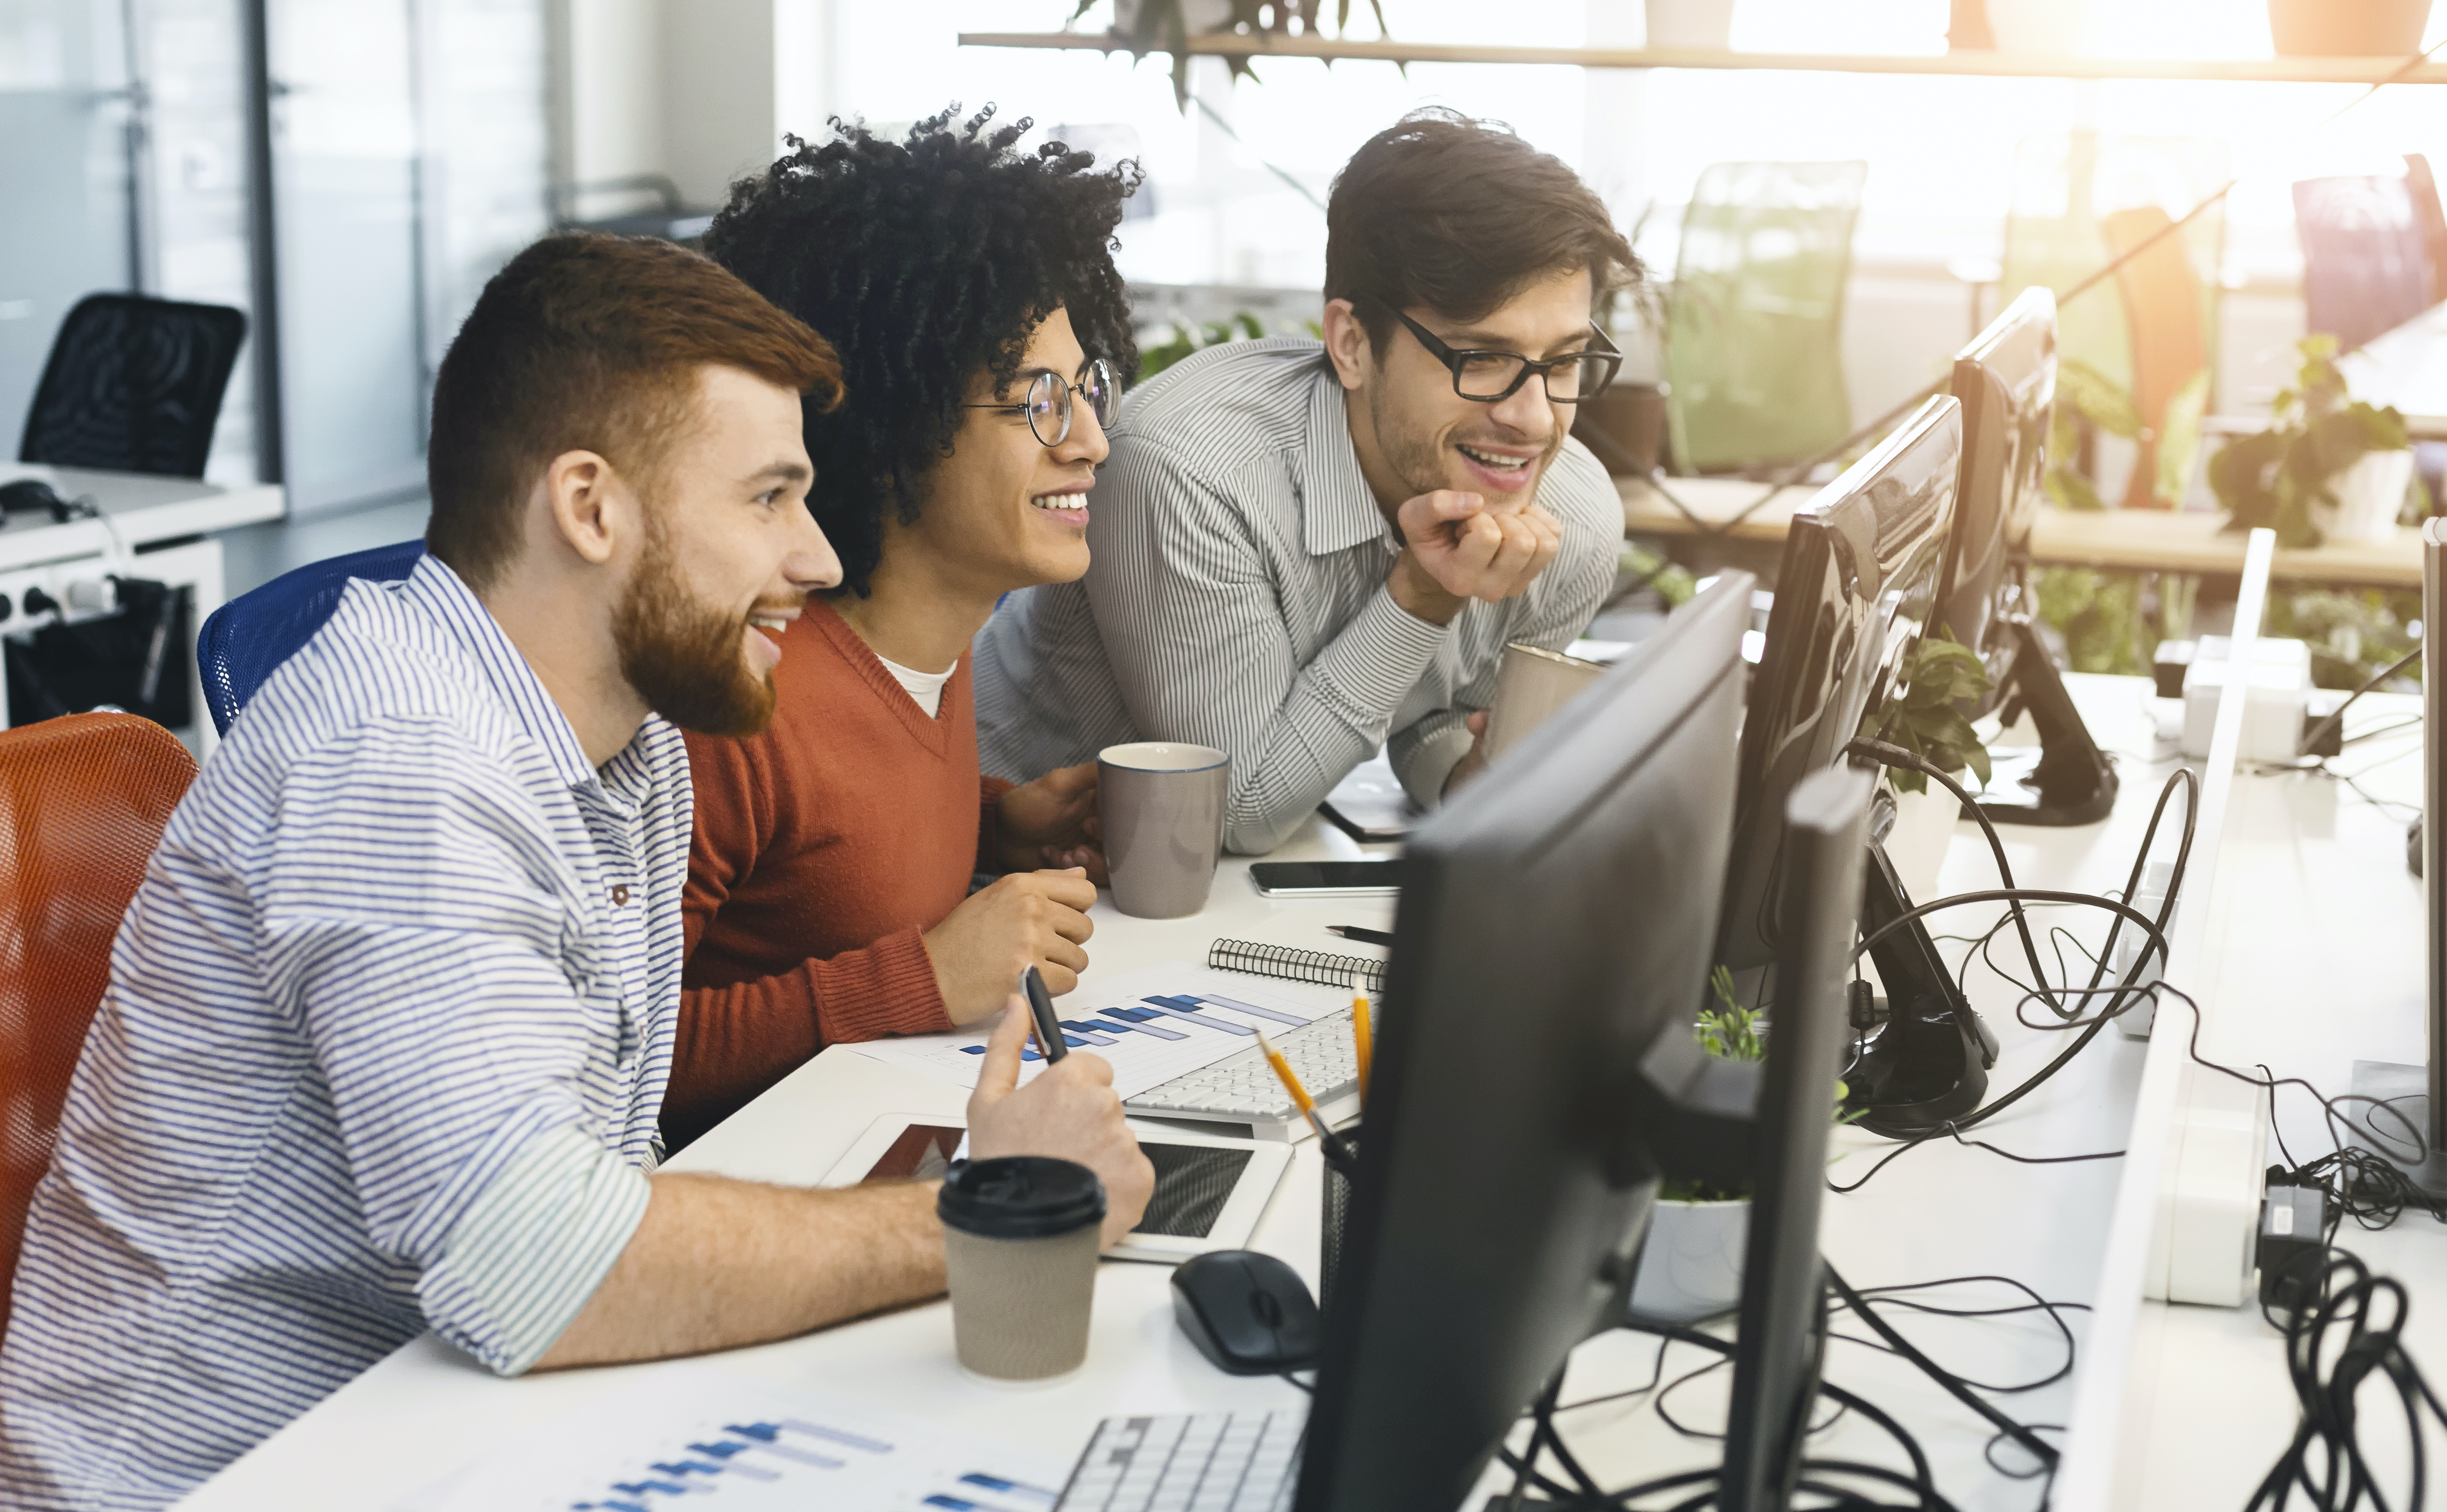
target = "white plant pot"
x: 2048, y: 29
x: 1924, y: 827
x: 1692, y: 1265
x: 1701, y: 25
x: 2369, y: 493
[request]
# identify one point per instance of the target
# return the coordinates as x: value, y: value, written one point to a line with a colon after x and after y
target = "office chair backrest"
x: 83, y: 800
x: 245, y: 641
x: 1755, y: 323
x: 2170, y: 348
x: 134, y: 385
x: 2063, y: 185
x: 2430, y: 216
x: 2365, y: 263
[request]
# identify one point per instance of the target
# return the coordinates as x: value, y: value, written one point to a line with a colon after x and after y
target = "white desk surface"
x: 2318, y: 963
x: 1940, y: 1211
x: 144, y: 508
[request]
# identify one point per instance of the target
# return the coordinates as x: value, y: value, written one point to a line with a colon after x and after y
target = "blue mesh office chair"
x: 246, y: 639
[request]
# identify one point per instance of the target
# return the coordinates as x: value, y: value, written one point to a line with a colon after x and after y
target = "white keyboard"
x: 1243, y: 1088
x: 1202, y: 1461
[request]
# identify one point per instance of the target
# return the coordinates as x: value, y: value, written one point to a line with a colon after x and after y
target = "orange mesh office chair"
x: 82, y: 801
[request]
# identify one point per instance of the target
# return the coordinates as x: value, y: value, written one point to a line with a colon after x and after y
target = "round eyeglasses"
x: 1046, y: 408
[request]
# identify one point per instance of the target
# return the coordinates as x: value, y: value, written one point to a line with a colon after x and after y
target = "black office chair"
x: 134, y: 385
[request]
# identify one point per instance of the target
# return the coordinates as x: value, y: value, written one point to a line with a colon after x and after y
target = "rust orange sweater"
x: 823, y: 846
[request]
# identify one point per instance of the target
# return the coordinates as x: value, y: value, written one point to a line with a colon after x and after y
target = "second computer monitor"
x: 2007, y: 383
x: 1857, y: 585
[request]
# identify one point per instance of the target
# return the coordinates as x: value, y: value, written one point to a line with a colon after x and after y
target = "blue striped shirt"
x: 387, y: 1029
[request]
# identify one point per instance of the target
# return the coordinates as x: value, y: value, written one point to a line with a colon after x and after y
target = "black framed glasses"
x: 1047, y: 406
x: 1490, y: 377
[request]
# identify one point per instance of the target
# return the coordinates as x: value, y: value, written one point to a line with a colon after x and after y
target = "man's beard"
x: 1416, y: 458
x: 685, y: 658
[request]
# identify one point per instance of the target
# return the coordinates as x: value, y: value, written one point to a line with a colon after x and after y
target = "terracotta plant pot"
x: 2348, y: 28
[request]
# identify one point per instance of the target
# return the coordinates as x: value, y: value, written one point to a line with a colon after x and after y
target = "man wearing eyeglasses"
x: 1303, y: 550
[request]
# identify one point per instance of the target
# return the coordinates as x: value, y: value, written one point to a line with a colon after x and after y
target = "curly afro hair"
x: 922, y: 261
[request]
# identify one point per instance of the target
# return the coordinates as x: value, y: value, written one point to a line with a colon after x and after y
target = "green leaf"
x: 2096, y: 398
x: 2071, y: 490
x: 2179, y: 440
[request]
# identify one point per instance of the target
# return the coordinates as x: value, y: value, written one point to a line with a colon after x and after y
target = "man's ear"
x: 1347, y: 344
x: 589, y: 507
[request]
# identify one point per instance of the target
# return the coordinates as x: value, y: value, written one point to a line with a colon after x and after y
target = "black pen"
x: 1365, y: 937
x: 1050, y: 1042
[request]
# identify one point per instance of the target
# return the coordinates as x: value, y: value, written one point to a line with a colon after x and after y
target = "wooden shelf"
x: 1976, y: 65
x: 2128, y: 539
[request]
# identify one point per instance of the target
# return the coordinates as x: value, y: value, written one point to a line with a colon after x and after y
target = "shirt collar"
x: 440, y: 593
x: 1337, y: 510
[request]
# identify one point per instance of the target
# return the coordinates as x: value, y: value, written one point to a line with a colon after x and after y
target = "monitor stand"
x: 1930, y: 1060
x: 2408, y: 1091
x: 2070, y: 779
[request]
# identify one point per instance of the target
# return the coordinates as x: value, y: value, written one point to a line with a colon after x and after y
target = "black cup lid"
x: 1019, y: 1196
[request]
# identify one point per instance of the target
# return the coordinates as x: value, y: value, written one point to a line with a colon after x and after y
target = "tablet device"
x: 1209, y: 1191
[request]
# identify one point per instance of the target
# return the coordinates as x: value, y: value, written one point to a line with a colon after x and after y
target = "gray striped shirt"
x: 387, y: 1031
x: 1237, y: 600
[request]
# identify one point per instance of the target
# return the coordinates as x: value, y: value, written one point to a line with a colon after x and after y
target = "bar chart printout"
x: 1150, y: 1025
x: 706, y: 1439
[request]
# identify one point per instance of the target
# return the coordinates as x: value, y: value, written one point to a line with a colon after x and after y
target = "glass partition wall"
x: 347, y: 172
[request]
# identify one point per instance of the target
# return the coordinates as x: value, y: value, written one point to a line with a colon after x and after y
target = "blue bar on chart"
x: 1135, y: 1018
x: 1171, y: 1007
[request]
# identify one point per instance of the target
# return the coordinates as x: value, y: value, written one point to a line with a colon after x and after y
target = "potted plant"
x: 1690, y: 1266
x: 1940, y: 679
x: 2327, y: 464
x: 2348, y: 28
x: 1167, y: 25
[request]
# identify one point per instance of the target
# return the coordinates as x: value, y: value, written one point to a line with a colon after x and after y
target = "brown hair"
x: 589, y: 341
x: 1459, y: 217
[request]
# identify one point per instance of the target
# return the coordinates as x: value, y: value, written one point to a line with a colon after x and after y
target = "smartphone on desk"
x: 1326, y: 878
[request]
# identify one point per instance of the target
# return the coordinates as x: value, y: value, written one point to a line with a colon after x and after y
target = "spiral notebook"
x: 1286, y: 963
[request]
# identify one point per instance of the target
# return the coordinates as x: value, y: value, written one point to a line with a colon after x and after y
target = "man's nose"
x: 812, y: 564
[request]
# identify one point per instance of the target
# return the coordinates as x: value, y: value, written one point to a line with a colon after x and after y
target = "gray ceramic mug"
x: 1162, y: 805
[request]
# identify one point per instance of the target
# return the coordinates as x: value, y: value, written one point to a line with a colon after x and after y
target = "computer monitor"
x: 1536, y: 1070
x: 2415, y: 1097
x: 1856, y: 587
x: 1781, y: 1327
x: 2005, y: 382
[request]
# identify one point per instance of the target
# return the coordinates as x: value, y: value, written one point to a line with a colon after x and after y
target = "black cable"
x: 2333, y: 1347
x: 2320, y: 731
x: 1952, y: 1384
x: 1922, y: 1483
x: 1896, y: 756
x: 2038, y: 1304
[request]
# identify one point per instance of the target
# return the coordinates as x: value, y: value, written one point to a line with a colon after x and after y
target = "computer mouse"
x: 29, y: 494
x: 1248, y: 1313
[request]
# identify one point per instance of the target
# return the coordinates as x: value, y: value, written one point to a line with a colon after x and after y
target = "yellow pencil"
x: 1290, y: 1082
x: 1363, y: 1039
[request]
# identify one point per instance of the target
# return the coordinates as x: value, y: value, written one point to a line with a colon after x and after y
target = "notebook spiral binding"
x: 1286, y: 964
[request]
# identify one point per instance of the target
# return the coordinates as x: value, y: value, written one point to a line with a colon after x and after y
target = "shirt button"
x: 620, y: 895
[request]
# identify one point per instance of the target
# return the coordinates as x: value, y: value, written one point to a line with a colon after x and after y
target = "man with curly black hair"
x: 970, y: 292
x: 1306, y: 549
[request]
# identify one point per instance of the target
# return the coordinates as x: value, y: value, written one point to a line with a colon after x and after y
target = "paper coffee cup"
x: 1020, y: 1249
x: 1529, y: 686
